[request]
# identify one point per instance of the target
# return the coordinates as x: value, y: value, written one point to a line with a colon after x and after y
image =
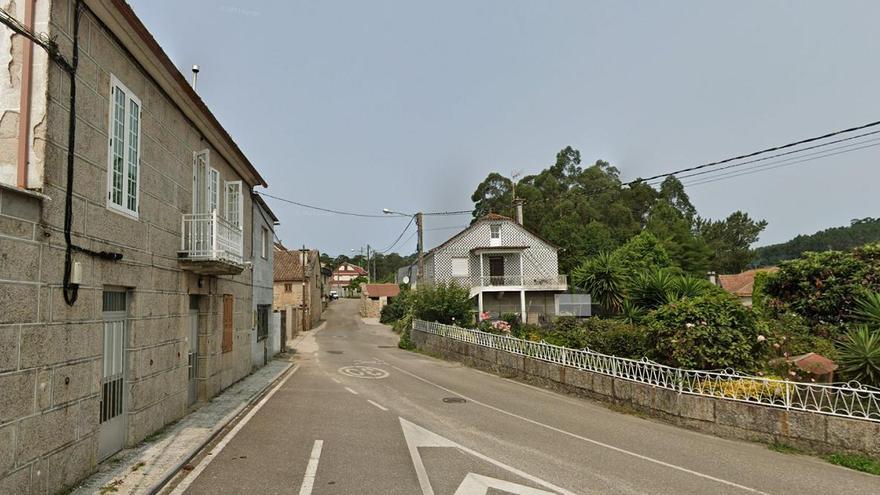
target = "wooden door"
x: 496, y: 270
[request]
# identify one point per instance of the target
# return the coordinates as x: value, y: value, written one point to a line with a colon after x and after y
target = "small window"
x: 263, y: 321
x: 123, y: 168
x: 264, y: 240
x: 288, y: 287
x: 495, y: 231
x: 460, y: 267
x: 213, y: 190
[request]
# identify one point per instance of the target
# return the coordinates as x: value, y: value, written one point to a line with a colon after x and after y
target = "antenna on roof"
x: 513, y: 176
x: 195, y: 69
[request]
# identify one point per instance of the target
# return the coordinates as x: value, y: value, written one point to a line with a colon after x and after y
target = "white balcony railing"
x: 528, y: 282
x: 209, y: 237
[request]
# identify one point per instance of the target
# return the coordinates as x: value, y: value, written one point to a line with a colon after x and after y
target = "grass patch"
x: 784, y: 448
x: 857, y: 462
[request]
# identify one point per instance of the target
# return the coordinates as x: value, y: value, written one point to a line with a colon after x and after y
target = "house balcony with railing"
x: 211, y: 245
x: 504, y: 283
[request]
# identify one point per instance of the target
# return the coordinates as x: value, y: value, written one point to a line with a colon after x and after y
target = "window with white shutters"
x: 123, y: 167
x: 213, y: 189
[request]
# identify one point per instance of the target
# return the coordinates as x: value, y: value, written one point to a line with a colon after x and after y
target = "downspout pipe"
x: 24, y: 116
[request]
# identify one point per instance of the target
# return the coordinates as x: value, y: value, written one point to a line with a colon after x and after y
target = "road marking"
x: 583, y: 438
x: 359, y: 371
x: 416, y: 437
x: 477, y: 484
x: 312, y: 469
x: 380, y: 406
x: 351, y: 390
x: 335, y: 380
x: 186, y: 481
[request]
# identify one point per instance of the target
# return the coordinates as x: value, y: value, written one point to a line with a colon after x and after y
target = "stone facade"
x: 731, y: 419
x: 51, y: 353
x: 262, y: 244
x: 289, y: 286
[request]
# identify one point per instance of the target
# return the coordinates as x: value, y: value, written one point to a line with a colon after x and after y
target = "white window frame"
x: 233, y: 203
x: 212, y: 189
x: 200, y: 181
x: 467, y: 267
x: 130, y: 97
x: 495, y: 231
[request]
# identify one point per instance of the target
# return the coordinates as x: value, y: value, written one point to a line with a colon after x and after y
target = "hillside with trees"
x: 858, y: 233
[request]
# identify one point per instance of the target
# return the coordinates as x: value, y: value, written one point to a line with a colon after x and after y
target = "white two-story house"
x: 506, y: 268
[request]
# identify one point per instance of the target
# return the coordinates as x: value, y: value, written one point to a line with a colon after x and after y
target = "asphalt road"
x: 359, y: 416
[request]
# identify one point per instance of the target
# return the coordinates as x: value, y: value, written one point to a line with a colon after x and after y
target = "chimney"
x: 518, y: 204
x: 713, y: 278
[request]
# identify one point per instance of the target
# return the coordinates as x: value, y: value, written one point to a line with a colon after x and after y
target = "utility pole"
x: 420, y: 227
x: 368, y: 264
x: 305, y: 258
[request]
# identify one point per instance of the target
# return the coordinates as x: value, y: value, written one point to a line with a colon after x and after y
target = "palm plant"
x: 631, y: 313
x: 860, y: 355
x: 687, y: 286
x: 604, y: 279
x: 652, y: 289
x: 868, y: 308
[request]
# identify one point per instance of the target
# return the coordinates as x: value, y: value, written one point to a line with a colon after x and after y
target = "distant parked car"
x: 334, y: 295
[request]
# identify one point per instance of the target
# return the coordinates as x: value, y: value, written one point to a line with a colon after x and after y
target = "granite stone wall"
x: 730, y: 419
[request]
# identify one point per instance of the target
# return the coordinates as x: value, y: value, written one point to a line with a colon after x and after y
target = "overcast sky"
x: 363, y: 105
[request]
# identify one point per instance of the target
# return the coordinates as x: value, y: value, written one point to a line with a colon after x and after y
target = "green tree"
x: 674, y: 232
x: 444, y: 303
x: 642, y: 253
x: 730, y: 240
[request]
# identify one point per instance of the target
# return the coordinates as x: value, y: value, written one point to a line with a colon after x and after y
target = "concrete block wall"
x: 51, y: 353
x: 730, y: 419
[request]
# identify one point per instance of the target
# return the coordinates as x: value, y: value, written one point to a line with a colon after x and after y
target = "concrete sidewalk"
x: 140, y: 469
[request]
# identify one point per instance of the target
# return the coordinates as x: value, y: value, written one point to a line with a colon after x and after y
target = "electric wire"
x: 760, y: 152
x: 411, y: 220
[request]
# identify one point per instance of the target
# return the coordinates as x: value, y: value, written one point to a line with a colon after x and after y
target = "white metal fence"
x: 850, y: 400
x: 207, y: 236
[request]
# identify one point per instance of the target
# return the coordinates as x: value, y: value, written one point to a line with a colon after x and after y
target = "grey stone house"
x: 125, y: 292
x: 506, y: 268
x: 266, y: 338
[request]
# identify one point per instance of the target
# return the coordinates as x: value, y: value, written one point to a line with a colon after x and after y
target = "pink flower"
x: 761, y: 338
x: 484, y: 315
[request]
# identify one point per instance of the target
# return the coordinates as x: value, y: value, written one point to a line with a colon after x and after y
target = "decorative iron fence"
x: 850, y: 400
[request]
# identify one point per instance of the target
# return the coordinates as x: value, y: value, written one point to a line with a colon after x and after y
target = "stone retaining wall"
x: 739, y: 420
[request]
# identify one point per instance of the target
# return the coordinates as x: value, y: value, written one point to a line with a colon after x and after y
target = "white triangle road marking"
x: 416, y: 437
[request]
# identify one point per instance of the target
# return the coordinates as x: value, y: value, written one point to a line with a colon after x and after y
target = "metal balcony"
x: 210, y: 245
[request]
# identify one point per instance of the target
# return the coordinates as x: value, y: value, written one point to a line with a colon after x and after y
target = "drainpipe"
x: 24, y: 117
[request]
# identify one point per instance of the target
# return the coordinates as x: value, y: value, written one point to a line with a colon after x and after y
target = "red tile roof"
x: 742, y: 284
x: 288, y: 264
x: 381, y: 290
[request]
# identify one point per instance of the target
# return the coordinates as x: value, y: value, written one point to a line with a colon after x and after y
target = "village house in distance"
x: 299, y: 289
x: 344, y: 274
x: 137, y: 262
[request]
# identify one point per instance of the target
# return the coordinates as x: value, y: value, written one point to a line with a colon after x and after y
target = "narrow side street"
x: 361, y: 416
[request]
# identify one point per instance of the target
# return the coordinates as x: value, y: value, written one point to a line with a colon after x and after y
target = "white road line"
x: 352, y: 391
x: 188, y: 480
x: 380, y: 406
x: 335, y: 380
x: 585, y: 439
x: 312, y: 469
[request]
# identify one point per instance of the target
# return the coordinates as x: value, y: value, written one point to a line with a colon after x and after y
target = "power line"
x: 326, y: 210
x: 772, y: 165
x: 761, y: 152
x: 735, y: 165
x: 411, y: 220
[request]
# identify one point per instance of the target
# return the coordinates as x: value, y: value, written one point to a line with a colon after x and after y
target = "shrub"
x: 398, y: 307
x: 444, y: 303
x: 743, y: 388
x: 652, y: 289
x: 860, y: 355
x: 601, y: 335
x: 711, y: 331
x: 823, y: 287
x: 791, y: 335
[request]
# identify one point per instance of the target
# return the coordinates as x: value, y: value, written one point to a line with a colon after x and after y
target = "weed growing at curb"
x: 857, y: 462
x: 784, y: 448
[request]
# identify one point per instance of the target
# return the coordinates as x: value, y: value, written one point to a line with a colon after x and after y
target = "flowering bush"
x: 711, y: 331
